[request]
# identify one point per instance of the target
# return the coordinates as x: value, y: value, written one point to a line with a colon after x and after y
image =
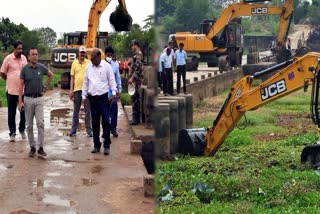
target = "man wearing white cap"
x: 78, y: 69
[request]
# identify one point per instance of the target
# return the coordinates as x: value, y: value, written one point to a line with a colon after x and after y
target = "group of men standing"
x: 169, y: 59
x: 95, y: 84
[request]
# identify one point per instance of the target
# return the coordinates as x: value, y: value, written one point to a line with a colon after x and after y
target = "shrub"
x: 125, y: 99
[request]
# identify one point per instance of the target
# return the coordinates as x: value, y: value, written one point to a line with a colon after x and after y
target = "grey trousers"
x: 34, y: 108
x: 77, y: 105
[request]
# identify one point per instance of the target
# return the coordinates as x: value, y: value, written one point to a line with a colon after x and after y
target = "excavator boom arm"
x: 244, y: 9
x: 299, y: 73
x: 97, y: 8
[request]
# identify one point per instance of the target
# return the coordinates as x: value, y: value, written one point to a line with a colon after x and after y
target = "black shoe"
x: 106, y: 151
x: 95, y: 150
x: 41, y: 152
x: 32, y: 152
x: 115, y: 133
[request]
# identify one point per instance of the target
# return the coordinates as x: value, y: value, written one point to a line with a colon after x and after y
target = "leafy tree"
x: 9, y: 32
x: 30, y: 39
x: 187, y: 15
x: 314, y: 13
x: 47, y: 36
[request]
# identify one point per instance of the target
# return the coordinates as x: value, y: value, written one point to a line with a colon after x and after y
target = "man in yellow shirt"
x: 78, y: 69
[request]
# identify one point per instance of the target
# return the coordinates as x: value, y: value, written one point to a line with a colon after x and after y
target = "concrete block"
x: 215, y: 73
x: 148, y: 185
x: 135, y: 147
x: 209, y: 74
x: 195, y: 79
x: 203, y: 77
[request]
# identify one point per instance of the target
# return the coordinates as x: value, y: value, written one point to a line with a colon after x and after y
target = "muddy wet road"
x: 70, y: 179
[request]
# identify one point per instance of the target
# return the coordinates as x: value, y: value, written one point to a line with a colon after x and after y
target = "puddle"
x: 58, y: 201
x: 96, y: 169
x: 61, y: 163
x: 53, y: 174
x: 21, y: 212
x: 3, y: 170
x: 62, y: 118
x: 88, y: 182
x: 4, y: 136
x: 46, y: 184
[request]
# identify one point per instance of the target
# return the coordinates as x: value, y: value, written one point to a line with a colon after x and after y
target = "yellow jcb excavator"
x: 63, y: 55
x: 292, y: 75
x: 221, y: 41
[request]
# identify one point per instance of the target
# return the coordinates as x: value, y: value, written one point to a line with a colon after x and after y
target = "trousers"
x: 33, y: 107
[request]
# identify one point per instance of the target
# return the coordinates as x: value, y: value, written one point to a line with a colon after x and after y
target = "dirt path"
x: 70, y: 179
x: 298, y: 31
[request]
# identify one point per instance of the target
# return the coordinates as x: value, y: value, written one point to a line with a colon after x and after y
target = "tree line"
x: 186, y: 15
x: 44, y: 38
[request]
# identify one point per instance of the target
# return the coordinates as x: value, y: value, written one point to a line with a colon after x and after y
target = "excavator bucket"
x: 191, y: 141
x: 120, y: 19
x: 311, y: 153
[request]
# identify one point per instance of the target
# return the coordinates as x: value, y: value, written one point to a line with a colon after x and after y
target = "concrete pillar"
x: 148, y: 106
x: 148, y: 185
x: 189, y: 110
x: 181, y: 109
x: 174, y: 123
x: 135, y: 147
x: 161, y: 123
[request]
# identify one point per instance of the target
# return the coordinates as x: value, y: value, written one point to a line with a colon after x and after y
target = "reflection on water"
x: 58, y: 201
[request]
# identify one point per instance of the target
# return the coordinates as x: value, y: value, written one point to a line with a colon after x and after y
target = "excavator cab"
x: 63, y: 55
x: 206, y: 24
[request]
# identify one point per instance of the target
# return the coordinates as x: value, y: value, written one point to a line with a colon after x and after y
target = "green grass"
x: 56, y: 78
x: 256, y: 170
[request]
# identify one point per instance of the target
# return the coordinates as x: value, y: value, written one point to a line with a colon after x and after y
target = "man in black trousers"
x: 99, y: 87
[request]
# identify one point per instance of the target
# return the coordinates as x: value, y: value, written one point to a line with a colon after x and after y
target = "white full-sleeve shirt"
x: 98, y: 80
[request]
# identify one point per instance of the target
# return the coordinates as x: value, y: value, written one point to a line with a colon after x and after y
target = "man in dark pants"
x: 114, y: 105
x: 10, y: 72
x: 136, y: 77
x: 167, y: 77
x: 98, y: 82
x: 180, y: 59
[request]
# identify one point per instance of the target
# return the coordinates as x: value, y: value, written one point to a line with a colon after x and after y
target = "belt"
x: 33, y: 95
x: 97, y: 96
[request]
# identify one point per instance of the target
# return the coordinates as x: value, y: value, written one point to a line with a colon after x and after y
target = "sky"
x: 68, y: 15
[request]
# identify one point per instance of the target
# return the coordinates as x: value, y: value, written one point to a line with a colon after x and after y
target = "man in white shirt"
x: 98, y: 81
x: 180, y: 58
x: 167, y: 77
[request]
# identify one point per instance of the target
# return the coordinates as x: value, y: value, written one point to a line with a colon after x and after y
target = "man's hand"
x: 21, y: 106
x: 130, y: 81
x: 71, y: 96
x: 84, y: 102
x: 112, y: 98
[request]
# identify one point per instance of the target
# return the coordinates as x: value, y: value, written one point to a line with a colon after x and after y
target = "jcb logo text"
x: 64, y: 57
x: 273, y: 89
x: 259, y: 10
